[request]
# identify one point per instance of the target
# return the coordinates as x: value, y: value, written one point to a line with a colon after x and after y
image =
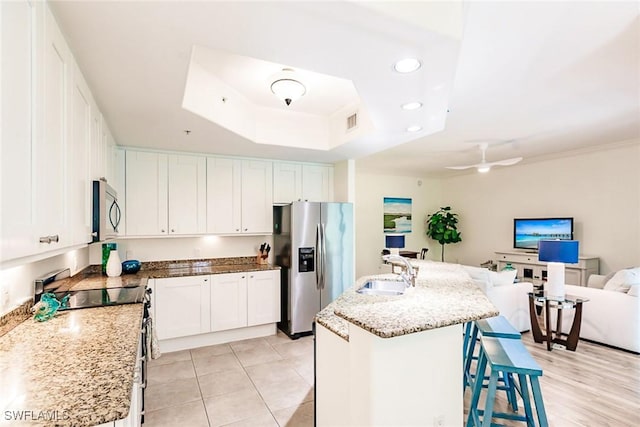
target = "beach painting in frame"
x: 397, y: 215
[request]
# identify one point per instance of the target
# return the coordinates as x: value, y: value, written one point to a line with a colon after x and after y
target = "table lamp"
x: 557, y: 253
x: 394, y: 243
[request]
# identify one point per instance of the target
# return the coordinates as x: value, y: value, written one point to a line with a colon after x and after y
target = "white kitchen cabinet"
x: 50, y: 142
x: 300, y: 181
x: 263, y: 297
x: 317, y: 183
x: 228, y: 301
x: 187, y: 195
x: 147, y: 195
x: 77, y: 155
x: 165, y: 194
x: 17, y: 237
x: 239, y: 196
x: 287, y: 182
x: 182, y: 306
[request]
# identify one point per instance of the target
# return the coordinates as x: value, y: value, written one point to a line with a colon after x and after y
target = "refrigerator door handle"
x: 324, y: 257
x: 318, y: 257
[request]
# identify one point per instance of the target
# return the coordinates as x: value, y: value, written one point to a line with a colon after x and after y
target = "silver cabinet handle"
x: 246, y: 229
x: 162, y: 230
x: 49, y: 239
x: 173, y: 231
x: 237, y: 229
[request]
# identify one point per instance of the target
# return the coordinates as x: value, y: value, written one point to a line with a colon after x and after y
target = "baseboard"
x: 213, y: 338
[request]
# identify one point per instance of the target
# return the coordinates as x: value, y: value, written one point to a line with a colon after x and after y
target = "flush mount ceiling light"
x: 287, y: 88
x: 407, y: 65
x: 414, y: 128
x: 411, y: 105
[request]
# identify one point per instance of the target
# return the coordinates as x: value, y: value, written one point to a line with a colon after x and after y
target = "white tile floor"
x: 259, y: 382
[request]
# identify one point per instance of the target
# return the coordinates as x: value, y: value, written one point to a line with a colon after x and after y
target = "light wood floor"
x: 593, y: 386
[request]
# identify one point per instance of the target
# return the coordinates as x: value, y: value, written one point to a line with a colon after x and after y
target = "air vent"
x: 352, y: 121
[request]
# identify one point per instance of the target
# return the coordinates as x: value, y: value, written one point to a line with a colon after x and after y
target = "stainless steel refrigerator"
x: 313, y: 245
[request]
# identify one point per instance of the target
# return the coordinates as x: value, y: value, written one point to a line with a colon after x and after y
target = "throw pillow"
x: 502, y: 278
x: 623, y: 280
x: 477, y: 273
x: 634, y: 291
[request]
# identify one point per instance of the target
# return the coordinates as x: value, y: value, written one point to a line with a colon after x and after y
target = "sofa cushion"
x: 622, y: 280
x: 634, y: 291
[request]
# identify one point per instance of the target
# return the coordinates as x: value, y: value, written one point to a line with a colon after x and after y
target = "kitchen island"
x: 76, y: 369
x: 397, y: 360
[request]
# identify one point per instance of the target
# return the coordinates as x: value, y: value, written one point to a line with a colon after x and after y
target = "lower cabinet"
x: 228, y: 301
x: 182, y: 306
x: 263, y: 297
x: 200, y: 304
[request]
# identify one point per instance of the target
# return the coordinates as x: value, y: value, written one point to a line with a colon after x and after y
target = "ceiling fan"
x: 485, y: 166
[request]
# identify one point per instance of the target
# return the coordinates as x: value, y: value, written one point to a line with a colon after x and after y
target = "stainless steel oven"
x: 106, y: 212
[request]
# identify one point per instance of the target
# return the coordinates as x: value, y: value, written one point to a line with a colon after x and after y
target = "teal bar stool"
x: 496, y: 327
x: 509, y: 357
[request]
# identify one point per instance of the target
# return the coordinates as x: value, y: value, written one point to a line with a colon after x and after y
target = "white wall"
x: 601, y: 190
x: 370, y: 191
x: 16, y: 283
x: 180, y: 248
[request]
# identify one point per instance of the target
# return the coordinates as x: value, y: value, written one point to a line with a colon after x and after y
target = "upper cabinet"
x: 17, y: 238
x: 48, y: 116
x: 239, y: 196
x: 165, y: 194
x: 300, y: 181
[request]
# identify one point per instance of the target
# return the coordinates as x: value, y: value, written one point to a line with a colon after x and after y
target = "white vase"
x: 114, y: 265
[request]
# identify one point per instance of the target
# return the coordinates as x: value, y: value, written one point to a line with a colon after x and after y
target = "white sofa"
x: 609, y: 317
x: 511, y: 299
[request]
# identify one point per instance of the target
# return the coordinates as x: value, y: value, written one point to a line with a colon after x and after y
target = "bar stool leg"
x: 524, y: 389
x: 476, y: 386
x: 537, y: 397
x: 491, y: 397
x: 467, y: 380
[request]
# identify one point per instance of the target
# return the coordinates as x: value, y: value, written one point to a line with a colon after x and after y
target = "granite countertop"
x: 76, y: 368
x: 444, y: 295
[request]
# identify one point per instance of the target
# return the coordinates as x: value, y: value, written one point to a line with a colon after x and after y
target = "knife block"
x: 262, y: 259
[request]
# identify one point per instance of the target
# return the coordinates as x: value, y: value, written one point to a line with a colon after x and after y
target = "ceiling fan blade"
x: 506, y: 162
x: 460, y: 167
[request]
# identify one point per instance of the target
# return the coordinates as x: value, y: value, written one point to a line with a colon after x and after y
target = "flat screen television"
x: 527, y: 232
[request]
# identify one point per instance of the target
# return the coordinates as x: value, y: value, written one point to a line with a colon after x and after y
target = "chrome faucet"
x: 408, y: 273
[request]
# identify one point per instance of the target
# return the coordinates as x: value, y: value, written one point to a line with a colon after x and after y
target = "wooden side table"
x: 568, y: 302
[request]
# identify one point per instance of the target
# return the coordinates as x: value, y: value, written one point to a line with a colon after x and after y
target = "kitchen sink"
x: 382, y: 287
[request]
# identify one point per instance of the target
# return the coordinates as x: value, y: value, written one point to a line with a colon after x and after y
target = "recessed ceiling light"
x: 414, y: 128
x: 407, y: 65
x: 411, y: 105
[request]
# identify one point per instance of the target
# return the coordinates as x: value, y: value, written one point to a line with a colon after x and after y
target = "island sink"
x: 383, y: 287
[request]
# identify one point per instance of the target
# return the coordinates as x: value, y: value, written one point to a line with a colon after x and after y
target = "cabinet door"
x: 287, y: 182
x: 182, y: 306
x: 16, y: 225
x: 146, y: 198
x: 50, y: 145
x: 78, y: 155
x: 257, y: 197
x: 223, y: 195
x: 187, y: 194
x: 317, y: 183
x: 228, y: 301
x: 263, y: 297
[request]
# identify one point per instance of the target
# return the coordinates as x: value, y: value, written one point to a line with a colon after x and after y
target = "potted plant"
x: 441, y: 226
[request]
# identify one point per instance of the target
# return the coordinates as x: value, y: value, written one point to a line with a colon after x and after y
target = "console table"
x: 568, y: 302
x: 530, y: 268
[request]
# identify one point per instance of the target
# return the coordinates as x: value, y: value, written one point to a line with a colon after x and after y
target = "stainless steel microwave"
x: 106, y: 212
